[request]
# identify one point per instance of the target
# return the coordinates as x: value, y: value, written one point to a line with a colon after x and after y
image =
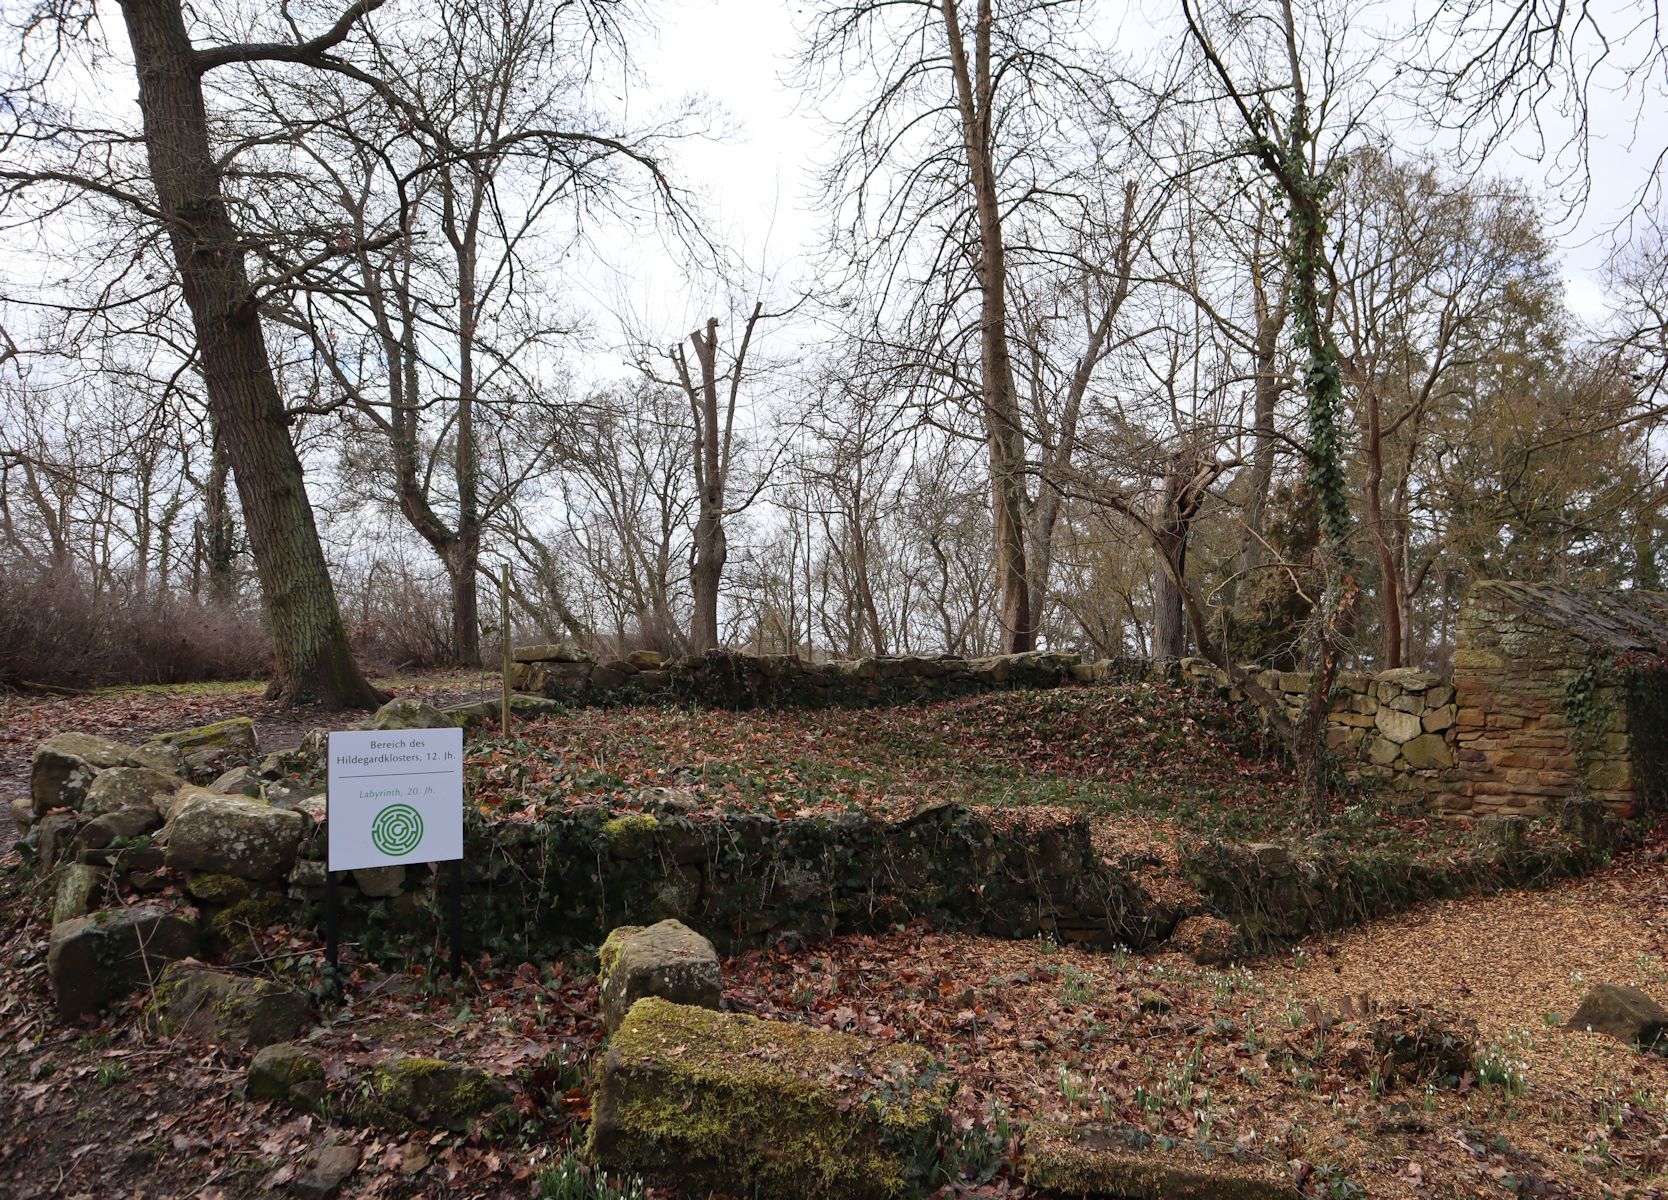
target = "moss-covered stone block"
x: 429, y: 1093
x: 288, y: 1074
x: 80, y: 888
x: 234, y: 930
x: 630, y: 836
x: 234, y: 732
x: 209, y: 751
x: 212, y: 888
x: 215, y: 1006
x: 703, y: 1100
x: 1105, y: 1161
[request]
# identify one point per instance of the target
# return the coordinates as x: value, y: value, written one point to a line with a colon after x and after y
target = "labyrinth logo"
x: 397, y: 829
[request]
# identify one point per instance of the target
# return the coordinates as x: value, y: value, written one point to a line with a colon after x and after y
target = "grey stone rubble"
x: 668, y: 959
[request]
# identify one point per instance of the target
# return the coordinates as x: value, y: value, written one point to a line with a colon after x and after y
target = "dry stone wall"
x: 1559, y: 694
x: 730, y: 679
x: 1396, y: 726
x: 1553, y: 695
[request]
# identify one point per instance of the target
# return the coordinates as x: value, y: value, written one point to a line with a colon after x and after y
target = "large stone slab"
x: 429, y: 1093
x: 129, y: 787
x: 551, y: 652
x: 398, y: 1095
x: 208, y: 751
x: 98, y: 959
x: 234, y: 1010
x: 1114, y: 1161
x: 702, y: 1100
x: 1624, y: 1013
x: 409, y: 714
x: 669, y: 960
x: 232, y: 835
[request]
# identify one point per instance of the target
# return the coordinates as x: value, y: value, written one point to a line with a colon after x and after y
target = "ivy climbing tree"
x: 1286, y: 149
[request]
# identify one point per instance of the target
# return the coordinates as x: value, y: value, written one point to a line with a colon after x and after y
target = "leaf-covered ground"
x: 1152, y: 749
x: 1234, y: 1058
x: 1239, y: 1059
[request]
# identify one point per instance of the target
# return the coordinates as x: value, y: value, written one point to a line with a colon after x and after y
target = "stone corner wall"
x: 1539, y: 717
x: 1554, y: 694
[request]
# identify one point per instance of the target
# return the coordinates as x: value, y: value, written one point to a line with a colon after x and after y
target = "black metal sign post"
x: 332, y: 920
x: 457, y: 917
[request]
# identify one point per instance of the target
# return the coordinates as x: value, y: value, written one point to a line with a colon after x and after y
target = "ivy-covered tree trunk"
x: 1287, y: 155
x: 1306, y: 195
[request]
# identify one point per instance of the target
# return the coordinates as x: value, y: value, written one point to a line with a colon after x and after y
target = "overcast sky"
x: 760, y: 182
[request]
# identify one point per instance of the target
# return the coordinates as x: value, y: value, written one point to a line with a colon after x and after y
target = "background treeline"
x: 1043, y: 391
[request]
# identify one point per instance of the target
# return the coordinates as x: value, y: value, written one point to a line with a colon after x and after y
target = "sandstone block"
x: 710, y: 1101
x: 97, y: 959
x: 230, y: 835
x: 668, y: 960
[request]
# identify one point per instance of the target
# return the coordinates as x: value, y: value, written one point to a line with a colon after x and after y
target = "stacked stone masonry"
x: 1396, y: 726
x: 1559, y: 694
x: 1554, y: 694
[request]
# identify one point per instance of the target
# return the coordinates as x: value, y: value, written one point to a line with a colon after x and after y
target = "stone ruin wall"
x: 1395, y: 726
x: 1543, y: 710
x: 1502, y: 735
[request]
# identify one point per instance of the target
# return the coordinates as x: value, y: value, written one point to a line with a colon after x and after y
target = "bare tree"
x: 962, y: 130
x: 713, y: 388
x: 437, y: 328
x: 185, y: 193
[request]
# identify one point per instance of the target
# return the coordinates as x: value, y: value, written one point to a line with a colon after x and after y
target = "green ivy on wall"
x: 1590, y: 706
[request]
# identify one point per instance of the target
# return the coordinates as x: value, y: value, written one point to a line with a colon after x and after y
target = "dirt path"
x: 1507, y: 961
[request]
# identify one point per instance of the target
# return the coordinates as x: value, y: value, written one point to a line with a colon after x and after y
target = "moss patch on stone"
x: 1128, y: 1163
x: 631, y: 835
x: 608, y: 954
x: 430, y: 1092
x: 234, y: 731
x: 701, y: 1099
x: 212, y: 888
x: 287, y: 1073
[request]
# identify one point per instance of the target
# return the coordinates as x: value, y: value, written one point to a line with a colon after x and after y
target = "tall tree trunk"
x: 712, y: 548
x: 310, y: 645
x: 464, y: 555
x: 1004, y: 437
x: 865, y: 591
x: 219, y: 530
x: 1390, y: 574
x: 1170, y: 537
x: 1271, y: 319
x: 1186, y: 480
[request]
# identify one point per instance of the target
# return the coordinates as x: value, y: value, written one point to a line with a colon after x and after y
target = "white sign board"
x: 396, y: 796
